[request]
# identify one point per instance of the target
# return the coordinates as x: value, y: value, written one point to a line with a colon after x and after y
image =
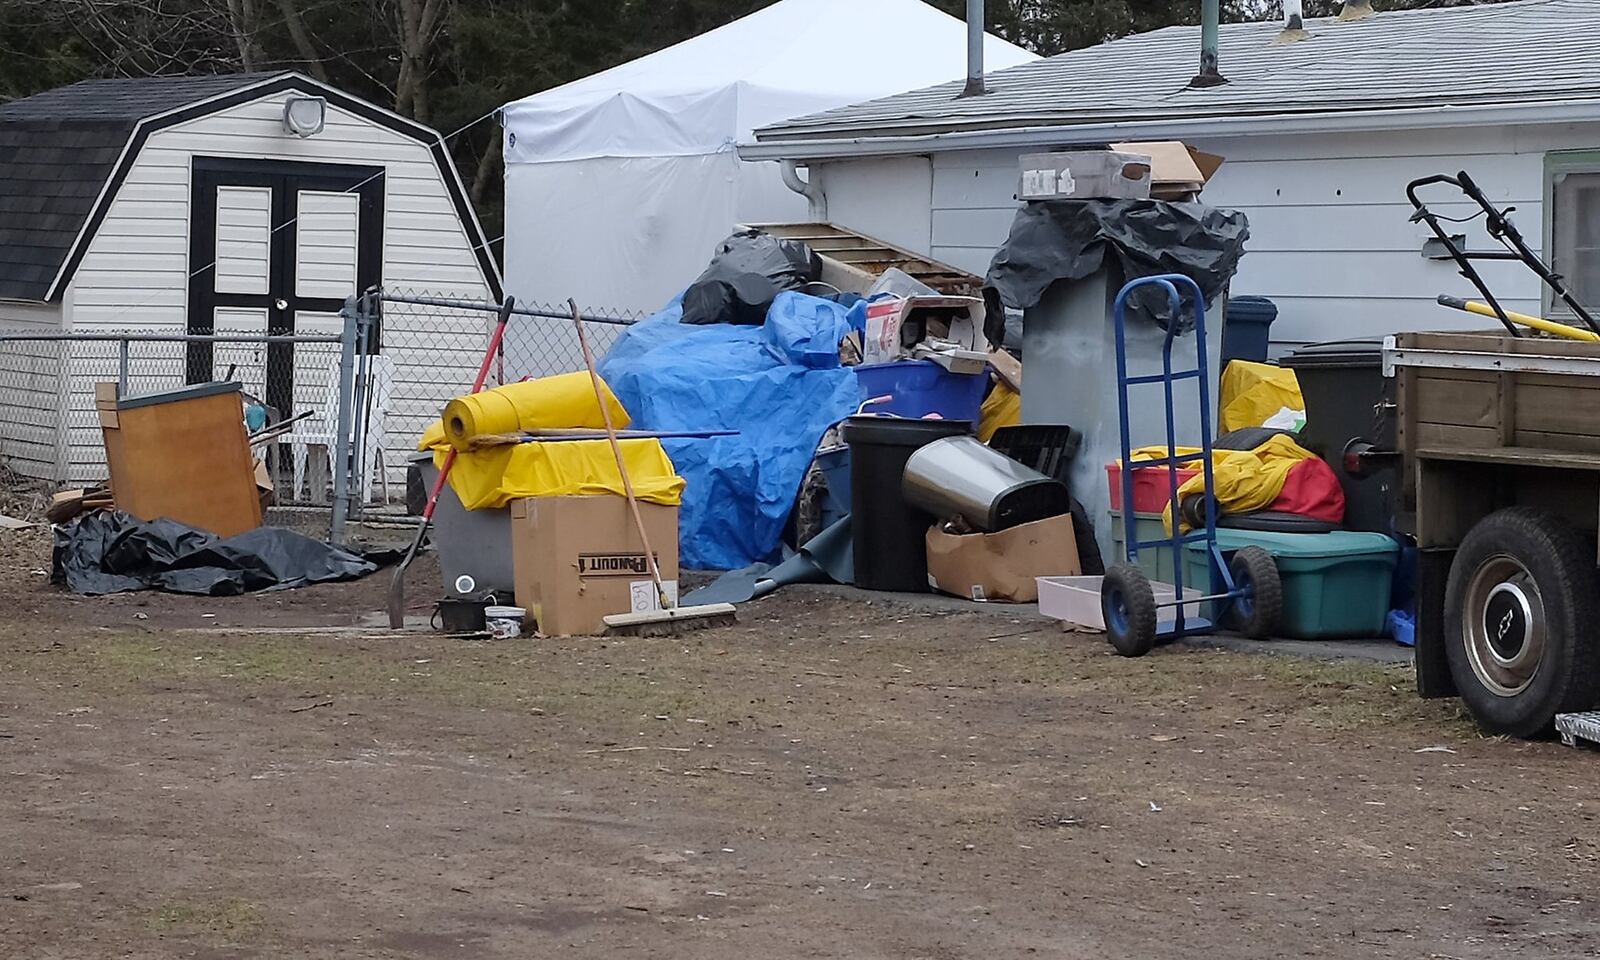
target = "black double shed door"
x: 247, y: 258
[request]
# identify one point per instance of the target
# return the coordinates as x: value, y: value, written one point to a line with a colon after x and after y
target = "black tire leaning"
x: 1255, y: 570
x: 1132, y: 628
x: 1562, y: 569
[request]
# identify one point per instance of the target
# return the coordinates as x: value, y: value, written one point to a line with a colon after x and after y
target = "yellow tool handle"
x: 1536, y: 323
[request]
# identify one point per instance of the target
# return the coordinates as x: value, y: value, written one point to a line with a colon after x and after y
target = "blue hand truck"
x: 1245, y: 593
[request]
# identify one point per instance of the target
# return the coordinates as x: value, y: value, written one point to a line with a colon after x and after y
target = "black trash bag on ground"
x: 747, y: 273
x: 1072, y: 239
x: 105, y: 552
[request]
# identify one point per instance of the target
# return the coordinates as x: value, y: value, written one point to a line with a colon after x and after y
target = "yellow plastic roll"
x: 566, y: 400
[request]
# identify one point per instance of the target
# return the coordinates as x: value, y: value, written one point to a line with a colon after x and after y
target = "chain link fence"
x: 410, y: 352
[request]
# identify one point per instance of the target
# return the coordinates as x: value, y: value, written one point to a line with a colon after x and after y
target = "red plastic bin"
x: 1151, y: 491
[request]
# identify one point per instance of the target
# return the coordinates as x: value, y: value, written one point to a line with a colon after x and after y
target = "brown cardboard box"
x: 577, y: 560
x: 1179, y: 171
x: 1002, y: 566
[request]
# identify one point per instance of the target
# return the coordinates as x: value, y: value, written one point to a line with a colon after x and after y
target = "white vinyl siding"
x: 31, y: 391
x: 134, y: 275
x: 244, y: 236
x: 1331, y: 242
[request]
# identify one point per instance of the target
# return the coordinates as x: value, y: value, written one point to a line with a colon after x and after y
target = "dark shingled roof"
x: 56, y: 150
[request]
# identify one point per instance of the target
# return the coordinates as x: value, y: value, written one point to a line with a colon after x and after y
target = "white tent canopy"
x: 619, y: 185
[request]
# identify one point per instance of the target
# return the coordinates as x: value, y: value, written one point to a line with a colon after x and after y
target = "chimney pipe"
x: 975, y: 33
x: 1294, y: 22
x: 1210, y: 18
x: 1355, y: 10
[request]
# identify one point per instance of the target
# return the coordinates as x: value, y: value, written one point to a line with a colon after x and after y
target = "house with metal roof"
x: 1322, y: 131
x: 247, y: 203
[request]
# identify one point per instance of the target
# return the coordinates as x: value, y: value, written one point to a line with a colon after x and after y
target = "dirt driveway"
x: 827, y: 779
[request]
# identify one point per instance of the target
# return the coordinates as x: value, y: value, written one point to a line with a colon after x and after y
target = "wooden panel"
x: 1568, y: 408
x: 187, y: 459
x: 1460, y: 398
x: 1579, y: 443
x: 1443, y: 435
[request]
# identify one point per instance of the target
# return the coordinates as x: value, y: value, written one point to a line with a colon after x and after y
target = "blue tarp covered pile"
x: 780, y: 385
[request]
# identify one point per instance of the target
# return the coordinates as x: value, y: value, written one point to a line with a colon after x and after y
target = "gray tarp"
x: 1071, y: 239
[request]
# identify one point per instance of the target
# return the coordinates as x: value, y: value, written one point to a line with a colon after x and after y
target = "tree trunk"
x: 487, y: 164
x: 296, y: 26
x: 419, y: 22
x: 241, y: 23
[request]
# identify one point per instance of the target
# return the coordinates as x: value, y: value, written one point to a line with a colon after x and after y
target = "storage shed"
x: 244, y: 203
x: 1321, y: 135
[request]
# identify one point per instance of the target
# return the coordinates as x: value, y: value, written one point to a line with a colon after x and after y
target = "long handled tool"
x: 1497, y: 223
x: 671, y: 618
x: 397, y: 586
x: 1536, y: 323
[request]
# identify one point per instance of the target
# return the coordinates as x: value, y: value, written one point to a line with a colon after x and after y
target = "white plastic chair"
x: 319, y: 431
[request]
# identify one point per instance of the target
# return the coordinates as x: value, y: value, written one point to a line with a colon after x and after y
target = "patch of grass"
x: 231, y: 919
x: 581, y: 682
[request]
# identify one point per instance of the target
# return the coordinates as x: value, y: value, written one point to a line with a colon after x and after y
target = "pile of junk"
x: 786, y: 420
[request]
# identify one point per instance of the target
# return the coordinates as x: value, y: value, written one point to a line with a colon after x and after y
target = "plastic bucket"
x: 922, y: 387
x: 504, y: 623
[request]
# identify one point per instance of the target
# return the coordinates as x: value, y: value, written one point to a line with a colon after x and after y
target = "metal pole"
x: 342, y: 430
x: 1210, y: 74
x: 361, y: 403
x: 975, y: 87
x: 122, y: 367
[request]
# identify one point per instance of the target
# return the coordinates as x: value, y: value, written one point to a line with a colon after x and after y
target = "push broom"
x: 671, y: 619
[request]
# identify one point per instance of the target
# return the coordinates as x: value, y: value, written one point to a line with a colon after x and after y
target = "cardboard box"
x: 577, y: 560
x: 896, y: 327
x: 1085, y: 175
x: 1177, y: 170
x: 1004, y: 565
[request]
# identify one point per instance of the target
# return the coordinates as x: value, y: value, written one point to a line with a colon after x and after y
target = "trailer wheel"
x: 1128, y: 603
x: 1258, y: 609
x: 1520, y: 613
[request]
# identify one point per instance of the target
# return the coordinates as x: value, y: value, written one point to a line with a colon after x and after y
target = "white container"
x: 504, y: 623
x: 1077, y: 601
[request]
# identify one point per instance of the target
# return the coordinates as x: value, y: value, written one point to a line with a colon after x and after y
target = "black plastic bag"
x: 105, y: 552
x: 746, y: 274
x: 1071, y: 239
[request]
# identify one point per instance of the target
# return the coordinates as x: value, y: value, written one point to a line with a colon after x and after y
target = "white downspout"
x: 811, y: 190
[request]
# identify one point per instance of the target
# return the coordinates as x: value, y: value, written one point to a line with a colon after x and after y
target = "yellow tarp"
x: 1252, y: 393
x: 1001, y: 408
x: 493, y: 477
x: 566, y: 400
x: 1245, y: 480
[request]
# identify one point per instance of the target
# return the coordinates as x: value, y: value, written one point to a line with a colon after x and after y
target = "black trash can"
x: 1347, y: 398
x: 890, y: 535
x: 1247, y: 329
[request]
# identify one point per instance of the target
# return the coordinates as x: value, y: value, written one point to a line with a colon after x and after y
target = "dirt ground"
x: 829, y: 778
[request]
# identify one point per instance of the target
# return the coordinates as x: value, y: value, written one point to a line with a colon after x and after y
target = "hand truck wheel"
x: 1128, y: 603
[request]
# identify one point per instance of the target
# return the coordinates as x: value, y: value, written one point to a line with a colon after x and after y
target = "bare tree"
x: 417, y: 25
x: 295, y: 24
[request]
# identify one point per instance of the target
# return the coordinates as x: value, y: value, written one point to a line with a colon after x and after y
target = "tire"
x: 1128, y: 604
x: 1520, y: 611
x: 1258, y: 610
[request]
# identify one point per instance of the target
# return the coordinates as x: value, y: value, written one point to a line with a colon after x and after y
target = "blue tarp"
x: 780, y: 385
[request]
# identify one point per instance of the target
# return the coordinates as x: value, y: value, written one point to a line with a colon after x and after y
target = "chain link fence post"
x: 343, y: 448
